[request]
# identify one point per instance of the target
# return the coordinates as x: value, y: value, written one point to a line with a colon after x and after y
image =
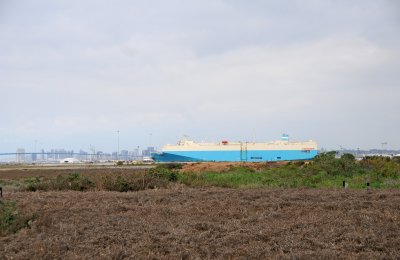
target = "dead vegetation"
x: 13, y: 173
x: 226, y: 166
x: 208, y: 223
x: 168, y: 220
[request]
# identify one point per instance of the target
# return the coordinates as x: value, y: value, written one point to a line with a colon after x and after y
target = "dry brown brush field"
x: 207, y: 223
x: 168, y: 220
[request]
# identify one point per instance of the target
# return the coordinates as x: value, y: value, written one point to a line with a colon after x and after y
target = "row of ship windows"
x: 260, y: 158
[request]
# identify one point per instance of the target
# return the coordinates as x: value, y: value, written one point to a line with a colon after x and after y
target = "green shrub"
x: 72, y: 181
x: 396, y: 159
x: 33, y: 184
x: 11, y: 219
x: 170, y: 166
x: 133, y: 182
x: 118, y: 183
x: 381, y: 166
x: 332, y: 166
x: 119, y: 163
x: 299, y: 163
x: 166, y: 173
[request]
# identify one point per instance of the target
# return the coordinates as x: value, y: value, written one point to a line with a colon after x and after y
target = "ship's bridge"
x: 186, y: 142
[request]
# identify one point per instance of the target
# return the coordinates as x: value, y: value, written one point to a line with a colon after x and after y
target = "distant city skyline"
x: 145, y: 150
x: 82, y: 156
x: 57, y: 155
x: 72, y: 74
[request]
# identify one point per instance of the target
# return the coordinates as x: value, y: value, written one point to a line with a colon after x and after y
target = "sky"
x: 73, y: 73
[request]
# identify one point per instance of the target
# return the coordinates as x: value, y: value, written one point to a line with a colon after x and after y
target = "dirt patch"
x: 226, y: 166
x: 208, y: 223
x: 20, y: 173
x: 15, y: 173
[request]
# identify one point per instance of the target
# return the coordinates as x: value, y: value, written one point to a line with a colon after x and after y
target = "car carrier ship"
x: 225, y: 151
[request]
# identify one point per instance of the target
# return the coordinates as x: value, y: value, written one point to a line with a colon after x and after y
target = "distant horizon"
x: 159, y: 147
x: 58, y: 156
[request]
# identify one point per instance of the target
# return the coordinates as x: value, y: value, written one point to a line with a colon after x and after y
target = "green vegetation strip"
x: 133, y: 181
x: 324, y: 171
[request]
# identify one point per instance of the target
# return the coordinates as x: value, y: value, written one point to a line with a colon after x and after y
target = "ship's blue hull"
x: 235, y: 156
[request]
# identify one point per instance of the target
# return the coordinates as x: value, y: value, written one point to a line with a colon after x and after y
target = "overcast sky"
x: 72, y: 73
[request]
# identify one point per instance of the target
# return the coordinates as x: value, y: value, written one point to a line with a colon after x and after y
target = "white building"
x: 20, y: 155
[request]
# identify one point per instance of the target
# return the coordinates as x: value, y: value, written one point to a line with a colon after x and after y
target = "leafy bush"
x: 33, y: 184
x: 118, y: 183
x: 299, y: 163
x: 170, y: 166
x: 328, y: 163
x: 119, y: 163
x: 73, y: 181
x: 396, y: 159
x: 132, y: 182
x: 122, y: 182
x: 382, y: 166
x: 163, y: 172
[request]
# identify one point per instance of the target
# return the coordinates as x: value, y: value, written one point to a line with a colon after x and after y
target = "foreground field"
x: 203, y: 211
x: 182, y: 222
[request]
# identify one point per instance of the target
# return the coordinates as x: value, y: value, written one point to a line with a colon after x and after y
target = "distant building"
x: 83, y: 155
x: 114, y: 155
x: 20, y: 155
x: 147, y: 152
x: 100, y: 155
x: 136, y: 152
x: 134, y: 155
x: 123, y: 155
x: 42, y: 155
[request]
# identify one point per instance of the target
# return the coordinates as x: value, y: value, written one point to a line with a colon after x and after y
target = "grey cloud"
x: 212, y: 69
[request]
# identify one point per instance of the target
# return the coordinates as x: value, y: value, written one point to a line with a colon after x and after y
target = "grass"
x: 11, y: 219
x: 122, y: 182
x: 132, y: 182
x: 14, y: 184
x: 325, y: 171
x: 72, y: 181
x: 274, y: 179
